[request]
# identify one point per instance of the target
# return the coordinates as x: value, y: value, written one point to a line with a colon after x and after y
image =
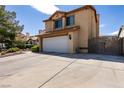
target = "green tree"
x: 9, y: 26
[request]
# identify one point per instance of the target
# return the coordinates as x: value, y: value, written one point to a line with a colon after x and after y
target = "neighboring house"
x: 32, y: 40
x: 69, y: 32
x: 20, y: 36
x: 121, y: 32
x: 27, y: 38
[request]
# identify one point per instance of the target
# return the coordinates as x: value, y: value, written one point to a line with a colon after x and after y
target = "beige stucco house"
x: 69, y: 32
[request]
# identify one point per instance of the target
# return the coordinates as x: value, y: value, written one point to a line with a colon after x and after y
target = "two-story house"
x: 69, y: 32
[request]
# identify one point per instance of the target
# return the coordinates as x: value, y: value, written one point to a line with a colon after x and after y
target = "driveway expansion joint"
x: 57, y: 73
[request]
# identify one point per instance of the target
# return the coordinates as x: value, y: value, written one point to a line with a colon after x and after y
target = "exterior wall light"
x: 70, y: 37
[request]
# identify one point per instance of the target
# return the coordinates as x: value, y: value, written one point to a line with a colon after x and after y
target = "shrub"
x: 9, y: 50
x: 35, y: 48
x: 29, y: 45
x: 20, y: 44
x: 12, y: 50
x: 3, y: 53
x: 15, y: 49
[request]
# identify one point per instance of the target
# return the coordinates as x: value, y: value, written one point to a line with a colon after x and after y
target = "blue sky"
x: 111, y: 16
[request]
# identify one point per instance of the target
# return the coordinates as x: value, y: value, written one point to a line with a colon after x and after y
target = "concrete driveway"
x: 61, y: 70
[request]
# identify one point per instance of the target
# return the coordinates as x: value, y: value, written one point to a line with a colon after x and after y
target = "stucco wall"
x: 48, y: 26
x: 81, y: 19
x: 98, y: 19
x: 88, y: 27
x: 57, y: 15
x: 93, y: 25
x: 75, y: 41
x: 40, y: 43
x: 71, y: 46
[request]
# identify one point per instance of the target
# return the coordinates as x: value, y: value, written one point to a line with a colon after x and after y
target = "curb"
x: 11, y: 54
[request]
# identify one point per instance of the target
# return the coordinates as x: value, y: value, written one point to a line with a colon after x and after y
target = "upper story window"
x: 70, y: 20
x: 58, y: 23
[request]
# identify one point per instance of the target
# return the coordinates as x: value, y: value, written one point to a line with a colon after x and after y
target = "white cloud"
x: 102, y: 25
x: 45, y: 8
x: 63, y: 2
x: 114, y: 33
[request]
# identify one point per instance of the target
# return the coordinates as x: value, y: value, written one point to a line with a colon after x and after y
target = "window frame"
x: 70, y: 23
x: 59, y: 25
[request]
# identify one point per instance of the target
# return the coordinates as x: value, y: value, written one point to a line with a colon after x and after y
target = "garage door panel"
x: 56, y: 44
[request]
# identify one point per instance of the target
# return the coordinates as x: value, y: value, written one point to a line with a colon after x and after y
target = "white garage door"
x: 56, y: 44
